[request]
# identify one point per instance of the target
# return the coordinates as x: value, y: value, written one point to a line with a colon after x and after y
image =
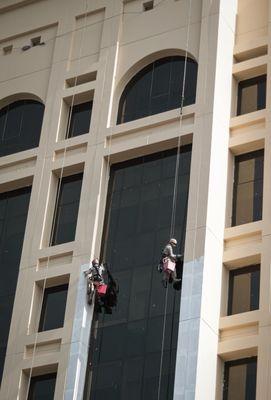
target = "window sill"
x: 151, y: 121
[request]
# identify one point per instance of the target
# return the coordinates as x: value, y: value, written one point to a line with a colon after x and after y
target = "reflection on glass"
x: 244, y: 288
x: 13, y: 215
x: 20, y: 126
x: 42, y: 387
x: 66, y: 210
x: 157, y: 88
x: 79, y: 119
x: 240, y: 379
x: 53, y: 308
x: 251, y: 95
x: 126, y: 346
x: 248, y: 188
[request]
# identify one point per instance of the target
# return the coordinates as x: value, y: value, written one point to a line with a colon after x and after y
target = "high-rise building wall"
x: 123, y: 123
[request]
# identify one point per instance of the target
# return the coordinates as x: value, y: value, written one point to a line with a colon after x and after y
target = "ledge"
x: 244, y: 120
x: 243, y: 230
x: 151, y: 121
x: 239, y: 320
x: 241, y: 347
x: 245, y: 142
x: 250, y: 68
x: 252, y: 48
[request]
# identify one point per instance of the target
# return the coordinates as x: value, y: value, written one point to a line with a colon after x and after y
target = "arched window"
x: 20, y: 126
x: 158, y: 88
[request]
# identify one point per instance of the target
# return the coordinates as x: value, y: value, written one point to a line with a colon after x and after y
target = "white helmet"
x: 173, y: 241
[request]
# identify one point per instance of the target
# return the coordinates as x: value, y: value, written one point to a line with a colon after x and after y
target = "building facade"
x: 124, y: 123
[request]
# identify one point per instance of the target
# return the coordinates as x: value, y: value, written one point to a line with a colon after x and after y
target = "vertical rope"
x: 56, y: 202
x: 175, y: 191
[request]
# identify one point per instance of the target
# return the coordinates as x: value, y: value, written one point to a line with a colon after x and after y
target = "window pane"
x: 53, y: 308
x: 20, y: 126
x: 66, y: 211
x: 240, y: 379
x: 79, y: 120
x: 131, y: 336
x: 157, y: 88
x: 248, y: 188
x: 262, y: 93
x: 13, y: 214
x: 237, y: 382
x: 244, y: 203
x: 249, y: 99
x: 244, y: 287
x: 42, y: 387
x: 251, y: 95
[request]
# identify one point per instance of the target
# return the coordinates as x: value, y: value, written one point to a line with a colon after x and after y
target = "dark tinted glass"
x: 251, y: 95
x: 248, y: 188
x: 53, y: 308
x: 20, y: 126
x: 126, y: 346
x: 240, y: 379
x: 42, y: 387
x: 157, y: 88
x: 66, y: 210
x: 244, y: 289
x: 79, y: 120
x: 13, y: 215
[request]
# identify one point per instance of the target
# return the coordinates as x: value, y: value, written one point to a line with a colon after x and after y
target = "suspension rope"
x: 175, y: 191
x: 56, y: 202
x: 107, y: 167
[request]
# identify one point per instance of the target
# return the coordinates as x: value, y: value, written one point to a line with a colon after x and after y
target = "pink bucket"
x: 168, y: 265
x: 101, y: 289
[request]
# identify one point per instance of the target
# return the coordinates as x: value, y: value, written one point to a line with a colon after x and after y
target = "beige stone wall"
x: 85, y: 39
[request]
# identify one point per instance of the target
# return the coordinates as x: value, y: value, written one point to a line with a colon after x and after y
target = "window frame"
x: 244, y: 157
x: 24, y: 139
x: 47, y: 292
x: 246, y: 83
x: 233, y: 363
x: 124, y: 116
x: 38, y: 378
x: 232, y: 274
x: 72, y: 107
x: 53, y: 233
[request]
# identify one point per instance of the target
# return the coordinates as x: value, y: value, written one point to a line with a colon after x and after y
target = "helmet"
x: 95, y: 261
x: 173, y: 242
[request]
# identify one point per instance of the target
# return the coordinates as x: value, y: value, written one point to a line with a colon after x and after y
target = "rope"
x: 107, y: 170
x: 174, y: 200
x: 54, y: 215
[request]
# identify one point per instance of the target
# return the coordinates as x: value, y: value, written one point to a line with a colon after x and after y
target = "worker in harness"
x: 168, y: 263
x: 106, y: 293
x: 95, y: 280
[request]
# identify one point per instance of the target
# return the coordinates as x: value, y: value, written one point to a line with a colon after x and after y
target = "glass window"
x: 13, y: 216
x: 79, y: 119
x: 42, y: 387
x: 244, y: 289
x: 66, y: 211
x: 53, y: 308
x: 157, y: 88
x: 20, y: 126
x: 240, y: 379
x: 126, y: 346
x: 248, y: 188
x: 251, y: 95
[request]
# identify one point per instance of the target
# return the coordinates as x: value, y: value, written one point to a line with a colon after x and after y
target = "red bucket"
x: 101, y: 289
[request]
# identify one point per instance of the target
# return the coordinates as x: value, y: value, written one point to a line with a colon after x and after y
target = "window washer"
x: 106, y: 292
x: 95, y: 281
x: 167, y: 265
